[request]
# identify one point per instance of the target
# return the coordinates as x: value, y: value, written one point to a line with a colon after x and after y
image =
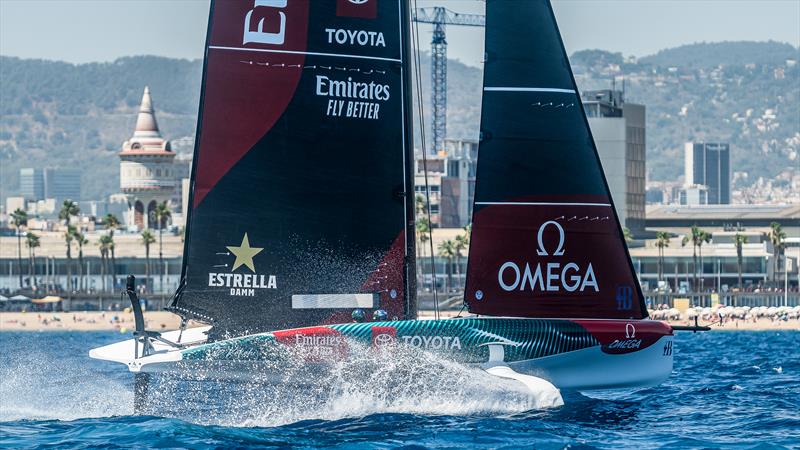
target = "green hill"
x: 60, y: 114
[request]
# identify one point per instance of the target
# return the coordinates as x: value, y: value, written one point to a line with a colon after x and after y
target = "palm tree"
x: 777, y: 237
x: 423, y: 234
x: 447, y: 249
x: 147, y: 239
x: 420, y: 204
x: 739, y: 240
x: 704, y: 238
x: 662, y: 242
x: 19, y: 219
x: 460, y: 243
x: 81, y: 240
x: 68, y: 210
x: 106, y: 245
x: 468, y: 232
x: 626, y: 233
x: 68, y: 238
x: 697, y: 237
x: 111, y: 223
x: 32, y: 241
x: 163, y: 214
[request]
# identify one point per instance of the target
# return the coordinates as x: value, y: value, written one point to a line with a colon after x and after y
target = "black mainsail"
x: 298, y: 208
x: 546, y: 240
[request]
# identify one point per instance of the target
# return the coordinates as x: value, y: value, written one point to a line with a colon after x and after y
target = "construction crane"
x: 439, y: 17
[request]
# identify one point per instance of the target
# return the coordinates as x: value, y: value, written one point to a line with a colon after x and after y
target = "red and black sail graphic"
x: 298, y: 210
x: 546, y: 241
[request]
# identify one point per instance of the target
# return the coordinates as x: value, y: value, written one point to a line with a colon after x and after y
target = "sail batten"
x: 546, y: 240
x: 527, y: 89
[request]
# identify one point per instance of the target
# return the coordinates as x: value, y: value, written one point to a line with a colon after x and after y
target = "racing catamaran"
x: 302, y: 207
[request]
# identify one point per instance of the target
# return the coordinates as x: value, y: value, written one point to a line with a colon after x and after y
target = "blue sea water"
x: 728, y: 390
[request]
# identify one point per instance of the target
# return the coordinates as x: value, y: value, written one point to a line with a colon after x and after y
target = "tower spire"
x: 146, y: 125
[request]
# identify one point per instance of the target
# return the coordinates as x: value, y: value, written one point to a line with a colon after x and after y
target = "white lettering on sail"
x: 242, y: 284
x: 259, y: 35
x: 549, y: 276
x: 366, y: 95
x: 355, y: 37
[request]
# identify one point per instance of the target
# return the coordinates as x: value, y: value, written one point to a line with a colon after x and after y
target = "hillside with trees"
x: 56, y: 114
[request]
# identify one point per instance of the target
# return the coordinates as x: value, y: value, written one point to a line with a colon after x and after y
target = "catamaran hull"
x: 571, y: 354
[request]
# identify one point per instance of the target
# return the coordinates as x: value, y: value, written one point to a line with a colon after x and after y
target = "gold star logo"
x: 244, y: 254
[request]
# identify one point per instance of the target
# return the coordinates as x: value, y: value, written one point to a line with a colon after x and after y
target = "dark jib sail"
x: 546, y: 241
x: 298, y: 211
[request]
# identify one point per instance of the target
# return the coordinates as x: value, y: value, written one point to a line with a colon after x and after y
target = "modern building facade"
x: 451, y: 181
x: 60, y: 184
x: 618, y: 128
x: 709, y: 164
x: 694, y: 195
x: 147, y: 172
x: 32, y: 184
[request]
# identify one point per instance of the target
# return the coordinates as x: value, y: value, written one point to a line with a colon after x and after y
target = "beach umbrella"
x: 20, y: 298
x: 3, y: 298
x: 48, y: 299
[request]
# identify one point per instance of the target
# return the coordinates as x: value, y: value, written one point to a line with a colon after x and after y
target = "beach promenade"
x: 163, y: 321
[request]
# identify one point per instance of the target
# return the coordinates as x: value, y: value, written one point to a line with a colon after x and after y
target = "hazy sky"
x: 102, y: 30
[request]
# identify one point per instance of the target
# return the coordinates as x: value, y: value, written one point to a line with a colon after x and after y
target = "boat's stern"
x: 630, y: 354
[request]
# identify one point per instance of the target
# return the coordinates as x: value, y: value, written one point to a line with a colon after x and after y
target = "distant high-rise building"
x: 58, y: 184
x: 618, y: 128
x: 31, y: 183
x: 64, y: 184
x: 709, y: 164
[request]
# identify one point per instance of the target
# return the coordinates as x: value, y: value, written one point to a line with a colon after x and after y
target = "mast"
x: 410, y: 262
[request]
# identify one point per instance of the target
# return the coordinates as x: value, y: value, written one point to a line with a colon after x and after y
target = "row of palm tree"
x: 19, y: 219
x: 777, y: 237
x: 452, y: 250
x: 697, y: 236
x: 74, y: 236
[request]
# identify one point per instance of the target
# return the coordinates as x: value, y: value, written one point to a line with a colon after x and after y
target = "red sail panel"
x: 546, y: 241
x: 249, y: 94
x: 543, y: 259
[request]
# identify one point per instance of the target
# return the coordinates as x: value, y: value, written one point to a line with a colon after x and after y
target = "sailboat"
x: 302, y: 208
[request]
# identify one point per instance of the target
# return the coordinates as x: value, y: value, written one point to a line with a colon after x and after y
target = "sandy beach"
x: 163, y: 321
x: 85, y: 321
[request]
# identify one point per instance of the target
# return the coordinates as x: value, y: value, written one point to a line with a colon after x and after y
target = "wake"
x: 395, y: 379
x: 40, y: 386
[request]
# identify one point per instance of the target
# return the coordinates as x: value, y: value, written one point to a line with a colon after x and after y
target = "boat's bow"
x: 162, y: 356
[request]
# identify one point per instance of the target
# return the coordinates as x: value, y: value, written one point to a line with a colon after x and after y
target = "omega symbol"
x: 560, y: 249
